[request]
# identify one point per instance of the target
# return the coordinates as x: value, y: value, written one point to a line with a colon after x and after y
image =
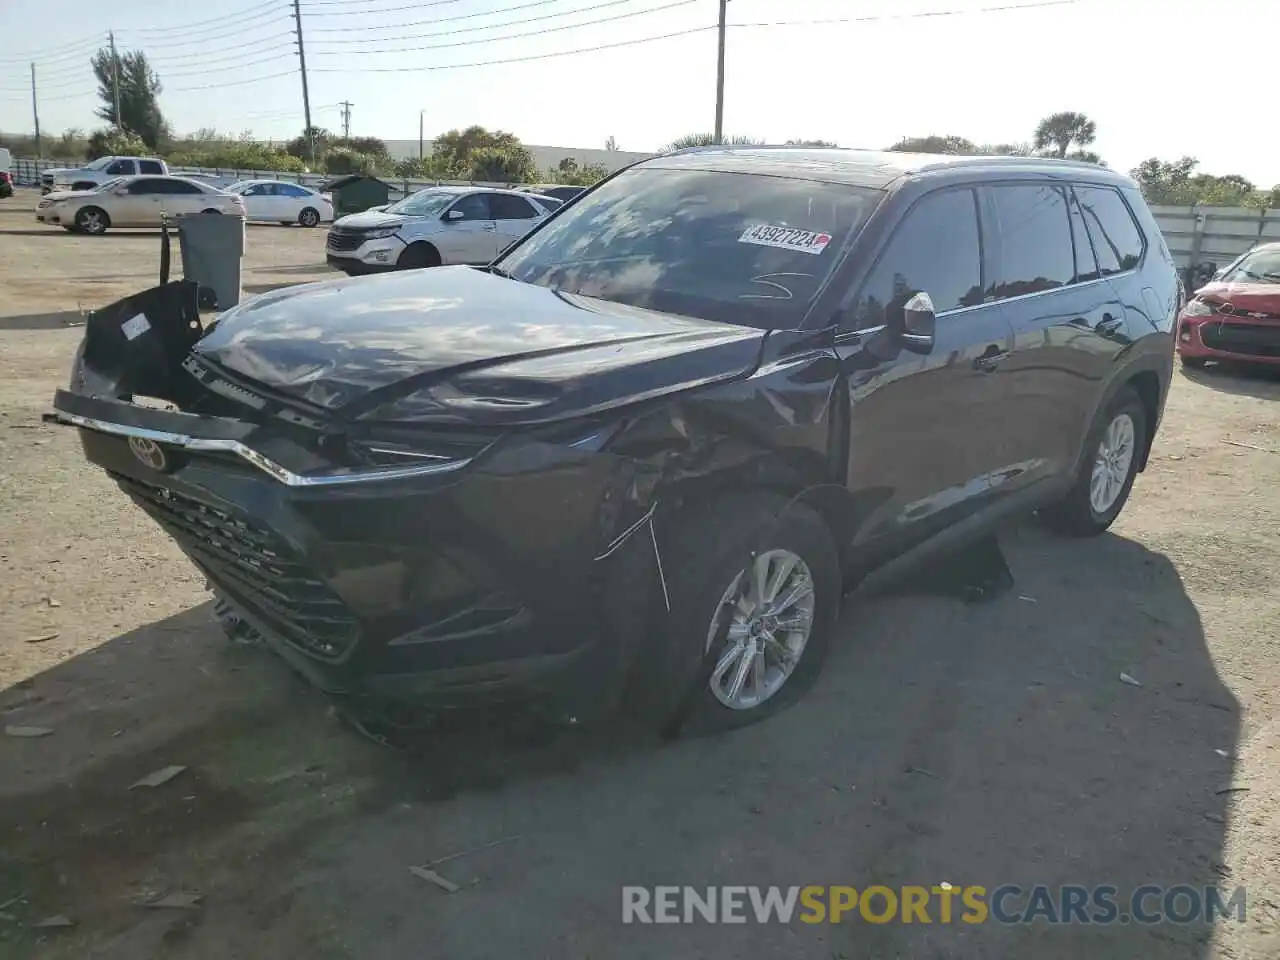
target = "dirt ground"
x: 982, y: 744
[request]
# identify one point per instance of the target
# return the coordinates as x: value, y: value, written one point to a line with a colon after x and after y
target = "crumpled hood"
x: 1244, y: 297
x: 370, y: 220
x: 457, y: 344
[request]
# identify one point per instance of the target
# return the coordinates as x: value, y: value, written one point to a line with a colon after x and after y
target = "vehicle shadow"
x: 988, y: 745
x: 1240, y: 379
x: 43, y: 321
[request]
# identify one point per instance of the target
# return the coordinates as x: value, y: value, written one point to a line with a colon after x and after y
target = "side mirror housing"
x: 919, y: 322
x: 454, y: 215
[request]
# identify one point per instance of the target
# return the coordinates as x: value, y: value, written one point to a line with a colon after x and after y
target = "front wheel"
x: 309, y: 217
x: 92, y: 221
x: 211, y: 210
x: 1113, y: 450
x: 418, y: 255
x: 754, y: 588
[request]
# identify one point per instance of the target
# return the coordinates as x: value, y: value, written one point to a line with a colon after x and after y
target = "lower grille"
x: 1247, y: 339
x: 253, y: 566
x: 344, y: 241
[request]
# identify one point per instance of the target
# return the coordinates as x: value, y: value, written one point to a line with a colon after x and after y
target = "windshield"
x: 113, y: 182
x: 99, y: 164
x: 740, y: 248
x: 1261, y: 266
x: 424, y: 203
x: 240, y: 186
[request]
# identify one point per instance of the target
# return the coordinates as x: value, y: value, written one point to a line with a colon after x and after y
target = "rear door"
x: 1068, y: 325
x: 923, y: 428
x: 139, y: 206
x: 513, y: 217
x: 179, y: 197
x: 470, y: 238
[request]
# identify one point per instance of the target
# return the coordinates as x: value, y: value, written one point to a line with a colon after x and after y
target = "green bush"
x: 511, y: 164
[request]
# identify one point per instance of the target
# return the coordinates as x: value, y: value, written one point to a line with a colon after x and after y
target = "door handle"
x: 1108, y: 325
x: 990, y: 359
x: 491, y: 226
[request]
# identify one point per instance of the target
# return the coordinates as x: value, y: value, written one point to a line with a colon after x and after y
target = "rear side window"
x: 150, y: 166
x: 1117, y: 240
x: 936, y: 250
x: 1035, y: 239
x: 503, y: 206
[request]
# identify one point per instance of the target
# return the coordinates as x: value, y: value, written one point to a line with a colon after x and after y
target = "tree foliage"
x: 1057, y: 133
x: 708, y: 140
x: 505, y: 164
x: 139, y: 95
x: 110, y: 142
x: 1177, y: 183
x: 569, y: 171
x: 458, y: 151
x: 208, y: 148
x: 946, y: 143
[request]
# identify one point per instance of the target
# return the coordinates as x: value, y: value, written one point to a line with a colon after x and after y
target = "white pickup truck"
x: 99, y: 172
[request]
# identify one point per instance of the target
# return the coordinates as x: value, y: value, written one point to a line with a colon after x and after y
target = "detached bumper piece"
x: 255, y: 568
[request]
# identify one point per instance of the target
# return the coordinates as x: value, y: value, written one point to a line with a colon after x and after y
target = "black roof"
x: 339, y: 182
x: 866, y: 168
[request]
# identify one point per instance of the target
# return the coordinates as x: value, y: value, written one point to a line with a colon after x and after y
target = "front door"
x: 469, y: 238
x: 513, y: 217
x: 924, y: 429
x: 1068, y: 326
x: 139, y: 206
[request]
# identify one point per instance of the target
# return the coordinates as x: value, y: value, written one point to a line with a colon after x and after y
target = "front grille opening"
x: 254, y: 567
x: 1246, y: 339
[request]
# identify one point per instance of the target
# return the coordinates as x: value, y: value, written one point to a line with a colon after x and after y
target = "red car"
x: 1237, y: 315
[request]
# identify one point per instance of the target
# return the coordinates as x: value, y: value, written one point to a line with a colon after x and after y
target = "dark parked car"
x: 645, y: 451
x: 560, y: 192
x: 1236, y: 315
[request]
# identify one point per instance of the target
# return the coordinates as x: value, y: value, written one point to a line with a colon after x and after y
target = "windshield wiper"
x: 499, y: 272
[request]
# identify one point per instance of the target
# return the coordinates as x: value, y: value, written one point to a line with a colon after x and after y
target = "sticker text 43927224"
x: 786, y: 238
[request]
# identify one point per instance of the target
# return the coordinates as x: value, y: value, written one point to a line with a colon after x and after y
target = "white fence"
x: 1216, y: 235
x: 26, y: 172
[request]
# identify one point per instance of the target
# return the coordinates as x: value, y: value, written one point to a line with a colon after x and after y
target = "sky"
x: 888, y: 71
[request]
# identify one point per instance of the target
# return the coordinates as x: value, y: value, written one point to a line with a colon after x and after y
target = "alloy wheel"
x: 769, y: 609
x: 1112, y: 463
x: 91, y: 222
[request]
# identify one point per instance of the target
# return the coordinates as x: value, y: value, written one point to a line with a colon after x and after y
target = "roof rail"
x: 750, y: 146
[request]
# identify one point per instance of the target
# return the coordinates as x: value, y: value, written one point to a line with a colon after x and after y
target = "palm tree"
x: 707, y: 140
x: 1059, y: 132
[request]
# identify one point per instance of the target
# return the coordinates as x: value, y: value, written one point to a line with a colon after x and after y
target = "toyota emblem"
x: 149, y: 452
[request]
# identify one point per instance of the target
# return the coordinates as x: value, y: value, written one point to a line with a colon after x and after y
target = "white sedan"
x: 282, y: 202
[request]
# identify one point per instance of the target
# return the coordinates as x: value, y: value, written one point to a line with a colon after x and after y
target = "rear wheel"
x: 309, y: 217
x: 1106, y: 477
x: 92, y: 220
x: 754, y: 588
x: 418, y: 255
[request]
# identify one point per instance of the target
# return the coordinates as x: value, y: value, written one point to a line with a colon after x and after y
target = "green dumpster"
x: 356, y: 193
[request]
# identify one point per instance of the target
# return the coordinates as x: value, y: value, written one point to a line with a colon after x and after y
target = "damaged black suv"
x: 641, y: 456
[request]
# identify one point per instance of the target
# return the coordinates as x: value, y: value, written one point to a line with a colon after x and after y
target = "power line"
x: 209, y: 38
x: 257, y: 60
x: 488, y: 26
x: 220, y: 54
x: 542, y: 31
x: 346, y: 3
x: 531, y: 57
x: 530, y: 4
x: 921, y: 15
x: 248, y: 13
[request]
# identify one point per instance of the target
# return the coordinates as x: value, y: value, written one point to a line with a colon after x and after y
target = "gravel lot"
x: 971, y: 744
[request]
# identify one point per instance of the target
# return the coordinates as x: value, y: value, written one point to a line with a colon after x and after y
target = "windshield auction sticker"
x: 786, y: 238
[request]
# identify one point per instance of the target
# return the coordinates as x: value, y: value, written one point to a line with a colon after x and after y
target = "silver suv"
x: 435, y: 226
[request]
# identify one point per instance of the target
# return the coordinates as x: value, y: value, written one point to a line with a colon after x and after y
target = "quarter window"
x: 1117, y: 241
x: 936, y: 250
x: 1035, y: 239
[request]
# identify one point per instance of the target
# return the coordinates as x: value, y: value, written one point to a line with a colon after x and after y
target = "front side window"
x: 291, y: 190
x: 503, y: 206
x: 150, y: 166
x: 935, y: 250
x: 121, y: 167
x: 1117, y: 241
x: 424, y: 203
x: 1035, y: 238
x: 146, y: 186
x: 179, y: 186
x: 736, y: 247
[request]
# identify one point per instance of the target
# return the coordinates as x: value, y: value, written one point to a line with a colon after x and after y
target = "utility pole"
x: 724, y: 9
x: 35, y: 111
x: 306, y: 96
x: 346, y: 119
x: 421, y: 114
x: 115, y: 78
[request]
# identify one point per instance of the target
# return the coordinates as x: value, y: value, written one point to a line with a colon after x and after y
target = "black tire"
x: 418, y: 255
x: 92, y: 220
x: 1193, y: 363
x: 714, y: 544
x: 1074, y: 515
x: 309, y: 217
x: 211, y: 210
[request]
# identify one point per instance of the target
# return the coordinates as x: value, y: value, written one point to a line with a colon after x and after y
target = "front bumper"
x: 49, y: 214
x: 442, y: 587
x: 370, y: 256
x: 1230, y: 339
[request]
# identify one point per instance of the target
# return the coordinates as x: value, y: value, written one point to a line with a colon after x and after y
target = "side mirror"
x: 918, y: 324
x: 453, y: 215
